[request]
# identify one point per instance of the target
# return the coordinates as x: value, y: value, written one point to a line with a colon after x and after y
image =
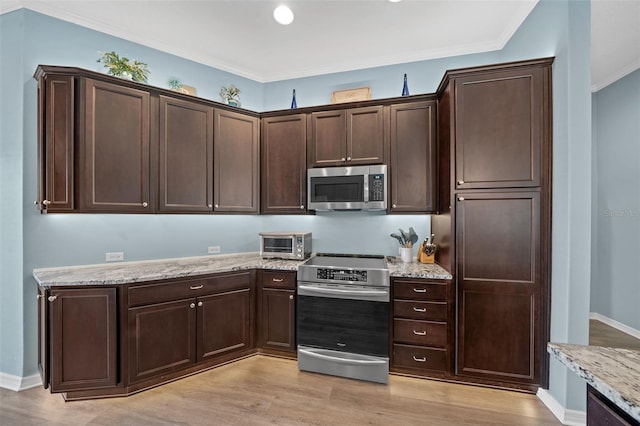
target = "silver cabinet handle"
x: 39, y: 296
x: 416, y: 359
x: 277, y: 280
x: 291, y: 297
x: 46, y: 202
x: 209, y: 205
x: 342, y: 159
x: 348, y: 158
x: 199, y: 303
x: 419, y: 309
x: 196, y: 287
x: 419, y: 290
x: 341, y: 345
x: 144, y: 204
x: 193, y: 305
x: 301, y: 206
x: 52, y: 298
x: 460, y: 198
x: 460, y: 182
x: 419, y: 333
x: 394, y: 206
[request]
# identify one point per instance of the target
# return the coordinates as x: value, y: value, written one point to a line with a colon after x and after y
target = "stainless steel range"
x: 342, y: 316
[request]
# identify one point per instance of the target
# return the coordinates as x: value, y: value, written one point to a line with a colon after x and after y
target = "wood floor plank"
x: 263, y: 390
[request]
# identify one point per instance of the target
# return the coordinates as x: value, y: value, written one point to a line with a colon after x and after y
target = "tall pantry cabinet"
x: 495, y: 227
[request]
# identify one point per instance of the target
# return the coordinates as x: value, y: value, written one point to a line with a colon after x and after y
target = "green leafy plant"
x: 230, y: 95
x: 174, y: 84
x: 121, y: 66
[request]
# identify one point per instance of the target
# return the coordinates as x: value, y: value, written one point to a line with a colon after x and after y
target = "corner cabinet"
x: 284, y: 164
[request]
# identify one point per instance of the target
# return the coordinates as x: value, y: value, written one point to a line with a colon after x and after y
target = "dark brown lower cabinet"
x: 277, y: 312
x: 601, y: 411
x: 82, y: 331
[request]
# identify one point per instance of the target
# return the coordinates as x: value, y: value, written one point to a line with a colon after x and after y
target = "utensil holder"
x: 406, y: 254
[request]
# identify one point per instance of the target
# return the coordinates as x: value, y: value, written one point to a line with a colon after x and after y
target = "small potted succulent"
x: 230, y: 95
x: 123, y: 67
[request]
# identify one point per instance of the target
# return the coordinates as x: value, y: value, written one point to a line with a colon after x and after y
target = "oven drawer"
x: 419, y: 357
x: 279, y: 279
x: 435, y: 311
x: 417, y: 290
x: 423, y: 333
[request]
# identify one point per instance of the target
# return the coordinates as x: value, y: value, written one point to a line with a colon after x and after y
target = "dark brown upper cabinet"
x: 236, y: 162
x: 186, y: 156
x: 284, y: 164
x: 500, y: 121
x: 413, y: 157
x: 114, y: 148
x: 346, y: 137
x: 56, y: 96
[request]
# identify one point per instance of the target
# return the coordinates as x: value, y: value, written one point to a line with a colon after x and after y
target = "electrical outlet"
x: 213, y: 249
x: 114, y: 256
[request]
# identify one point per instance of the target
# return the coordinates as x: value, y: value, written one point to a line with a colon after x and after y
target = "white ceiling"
x: 328, y: 36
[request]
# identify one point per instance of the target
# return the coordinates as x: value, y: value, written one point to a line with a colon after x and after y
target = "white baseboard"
x: 615, y: 324
x: 17, y: 383
x: 566, y: 417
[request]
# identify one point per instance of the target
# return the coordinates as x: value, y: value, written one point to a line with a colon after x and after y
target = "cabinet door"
x: 277, y: 318
x: 56, y: 143
x: 499, y: 128
x: 499, y: 286
x: 328, y: 139
x: 284, y: 164
x: 224, y: 323
x: 43, y: 336
x: 83, y: 332
x: 186, y: 156
x: 236, y: 156
x: 115, y: 148
x: 162, y: 338
x: 365, y: 136
x: 413, y: 157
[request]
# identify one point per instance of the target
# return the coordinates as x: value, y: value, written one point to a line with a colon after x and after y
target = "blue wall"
x: 554, y: 28
x: 616, y: 251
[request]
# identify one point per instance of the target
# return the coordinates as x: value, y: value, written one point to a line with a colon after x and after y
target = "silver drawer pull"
x: 52, y: 298
x: 419, y: 309
x: 341, y: 345
x: 277, y: 280
x: 196, y: 287
x: 193, y: 305
x: 199, y: 303
x: 419, y: 290
x: 419, y: 333
x: 416, y: 359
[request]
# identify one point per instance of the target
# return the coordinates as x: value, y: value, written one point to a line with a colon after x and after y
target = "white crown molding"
x: 7, y: 6
x: 612, y: 78
x: 615, y: 324
x: 17, y: 383
x: 565, y: 416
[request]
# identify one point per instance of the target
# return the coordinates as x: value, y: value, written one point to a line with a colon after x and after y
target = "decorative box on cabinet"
x: 422, y: 327
x: 276, y: 312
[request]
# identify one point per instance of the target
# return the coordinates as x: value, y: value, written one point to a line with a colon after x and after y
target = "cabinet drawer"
x: 419, y: 357
x: 144, y: 294
x: 435, y: 311
x: 423, y: 333
x: 418, y: 290
x: 279, y: 279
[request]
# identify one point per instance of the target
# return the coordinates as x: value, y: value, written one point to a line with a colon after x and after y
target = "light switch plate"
x: 114, y: 256
x: 213, y: 249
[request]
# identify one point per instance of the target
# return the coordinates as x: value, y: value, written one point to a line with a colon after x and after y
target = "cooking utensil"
x: 398, y: 237
x: 405, y: 236
x: 413, y: 237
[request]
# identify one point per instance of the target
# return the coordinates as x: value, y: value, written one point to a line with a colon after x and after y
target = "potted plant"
x: 230, y: 95
x: 123, y: 67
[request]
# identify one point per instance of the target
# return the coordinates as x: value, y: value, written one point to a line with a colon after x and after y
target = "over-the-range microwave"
x: 285, y: 245
x: 347, y: 188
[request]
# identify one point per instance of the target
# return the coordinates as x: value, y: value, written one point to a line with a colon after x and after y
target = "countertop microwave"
x: 347, y: 188
x: 285, y: 245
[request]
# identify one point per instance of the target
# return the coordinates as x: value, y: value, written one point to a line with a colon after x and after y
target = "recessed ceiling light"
x: 283, y: 15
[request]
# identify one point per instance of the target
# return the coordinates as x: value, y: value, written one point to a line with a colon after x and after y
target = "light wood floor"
x: 264, y: 390
x: 601, y: 334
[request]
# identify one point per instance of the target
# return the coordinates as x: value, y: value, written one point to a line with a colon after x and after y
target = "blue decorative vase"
x: 294, y: 104
x: 405, y: 87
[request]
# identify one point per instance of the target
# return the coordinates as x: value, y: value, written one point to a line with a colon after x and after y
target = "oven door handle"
x: 309, y: 290
x: 341, y: 360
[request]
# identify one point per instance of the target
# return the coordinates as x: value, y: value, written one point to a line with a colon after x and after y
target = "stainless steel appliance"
x: 342, y: 316
x: 285, y: 245
x: 347, y: 188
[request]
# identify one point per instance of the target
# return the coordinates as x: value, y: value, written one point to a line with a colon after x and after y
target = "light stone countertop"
x: 152, y: 270
x: 613, y: 372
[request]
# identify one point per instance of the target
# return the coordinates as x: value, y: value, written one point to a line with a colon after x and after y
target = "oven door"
x: 332, y: 317
x: 277, y: 247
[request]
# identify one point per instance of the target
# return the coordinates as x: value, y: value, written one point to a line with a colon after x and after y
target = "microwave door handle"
x: 366, y: 187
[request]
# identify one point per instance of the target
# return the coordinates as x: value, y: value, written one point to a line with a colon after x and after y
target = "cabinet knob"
x: 348, y: 158
x: 193, y: 305
x: 419, y: 333
x: 217, y: 205
x: 394, y: 206
x: 199, y: 303
x: 460, y: 198
x: 301, y: 206
x: 145, y: 204
x: 52, y: 298
x: 46, y: 202
x: 39, y: 296
x: 460, y: 182
x: 291, y: 297
x: 210, y: 205
x: 416, y: 359
x: 342, y: 159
